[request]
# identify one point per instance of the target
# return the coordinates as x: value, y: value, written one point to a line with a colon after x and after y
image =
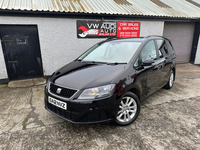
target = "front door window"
x: 149, y: 51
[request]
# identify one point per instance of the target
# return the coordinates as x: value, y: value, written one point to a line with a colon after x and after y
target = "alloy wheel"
x: 127, y: 109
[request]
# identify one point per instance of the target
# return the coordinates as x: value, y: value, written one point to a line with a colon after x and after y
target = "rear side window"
x: 162, y: 48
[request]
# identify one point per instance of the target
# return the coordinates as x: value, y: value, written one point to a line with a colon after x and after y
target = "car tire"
x: 171, y: 81
x: 129, y: 109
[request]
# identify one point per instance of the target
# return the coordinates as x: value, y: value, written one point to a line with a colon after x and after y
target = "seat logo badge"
x: 58, y: 90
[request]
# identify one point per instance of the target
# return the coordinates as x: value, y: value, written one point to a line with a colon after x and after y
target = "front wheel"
x: 171, y: 81
x: 129, y: 109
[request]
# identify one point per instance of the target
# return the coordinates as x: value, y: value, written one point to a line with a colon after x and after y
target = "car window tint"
x: 149, y: 51
x: 162, y: 48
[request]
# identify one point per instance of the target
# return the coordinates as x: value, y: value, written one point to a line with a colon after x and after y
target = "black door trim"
x: 195, y: 42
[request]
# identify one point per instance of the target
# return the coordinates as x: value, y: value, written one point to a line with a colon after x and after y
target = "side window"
x: 149, y: 51
x: 162, y: 48
x: 136, y: 64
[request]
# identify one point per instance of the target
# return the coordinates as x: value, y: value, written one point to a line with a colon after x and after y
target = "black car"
x: 109, y: 80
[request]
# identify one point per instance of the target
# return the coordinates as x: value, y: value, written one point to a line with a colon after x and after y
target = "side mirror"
x: 148, y: 62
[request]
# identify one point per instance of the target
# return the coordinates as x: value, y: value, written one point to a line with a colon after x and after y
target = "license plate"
x: 57, y: 103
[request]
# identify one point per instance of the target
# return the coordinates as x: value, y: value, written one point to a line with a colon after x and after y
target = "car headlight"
x: 97, y: 92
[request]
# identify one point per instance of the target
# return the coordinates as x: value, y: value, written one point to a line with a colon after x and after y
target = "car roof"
x: 136, y: 39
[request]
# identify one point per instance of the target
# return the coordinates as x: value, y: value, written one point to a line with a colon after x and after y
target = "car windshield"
x: 111, y: 52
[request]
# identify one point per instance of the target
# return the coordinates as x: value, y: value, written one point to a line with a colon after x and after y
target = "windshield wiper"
x: 85, y: 61
x: 94, y: 62
x: 98, y: 62
x: 115, y: 63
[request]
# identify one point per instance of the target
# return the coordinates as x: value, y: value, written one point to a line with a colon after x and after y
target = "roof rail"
x: 156, y: 36
x: 115, y: 38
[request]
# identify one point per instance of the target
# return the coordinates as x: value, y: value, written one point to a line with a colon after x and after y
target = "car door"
x: 150, y: 80
x: 164, y: 63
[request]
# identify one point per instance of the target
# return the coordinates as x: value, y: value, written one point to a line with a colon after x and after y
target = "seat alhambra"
x: 109, y: 81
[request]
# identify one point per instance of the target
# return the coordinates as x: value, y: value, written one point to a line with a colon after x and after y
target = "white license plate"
x: 57, y: 103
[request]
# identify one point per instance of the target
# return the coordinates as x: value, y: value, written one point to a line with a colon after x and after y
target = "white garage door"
x: 181, y: 36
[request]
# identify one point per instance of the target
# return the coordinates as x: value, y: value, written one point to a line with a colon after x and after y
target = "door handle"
x: 156, y: 67
x: 159, y: 66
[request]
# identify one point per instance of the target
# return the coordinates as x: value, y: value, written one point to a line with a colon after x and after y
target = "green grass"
x: 24, y: 123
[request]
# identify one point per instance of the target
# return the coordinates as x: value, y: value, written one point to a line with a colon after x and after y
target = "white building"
x: 40, y: 36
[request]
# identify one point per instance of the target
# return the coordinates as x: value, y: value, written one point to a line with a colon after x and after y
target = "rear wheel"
x: 129, y: 109
x: 171, y: 81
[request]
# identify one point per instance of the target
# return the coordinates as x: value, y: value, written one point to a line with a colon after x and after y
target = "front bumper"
x: 84, y: 111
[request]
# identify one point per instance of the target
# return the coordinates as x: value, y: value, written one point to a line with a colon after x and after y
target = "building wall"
x: 181, y: 35
x: 3, y: 72
x: 197, y: 58
x: 58, y: 39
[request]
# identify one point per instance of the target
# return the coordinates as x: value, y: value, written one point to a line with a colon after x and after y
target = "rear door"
x: 21, y: 51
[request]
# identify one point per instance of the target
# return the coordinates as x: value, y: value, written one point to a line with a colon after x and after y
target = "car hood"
x: 80, y: 75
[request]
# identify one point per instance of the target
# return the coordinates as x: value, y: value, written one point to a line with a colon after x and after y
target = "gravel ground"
x: 169, y: 119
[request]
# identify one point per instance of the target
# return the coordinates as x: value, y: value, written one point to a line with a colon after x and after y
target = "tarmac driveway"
x: 169, y: 119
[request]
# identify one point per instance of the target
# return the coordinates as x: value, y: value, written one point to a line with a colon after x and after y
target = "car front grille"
x: 64, y: 92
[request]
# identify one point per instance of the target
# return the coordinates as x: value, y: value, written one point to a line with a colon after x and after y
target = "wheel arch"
x: 136, y: 92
